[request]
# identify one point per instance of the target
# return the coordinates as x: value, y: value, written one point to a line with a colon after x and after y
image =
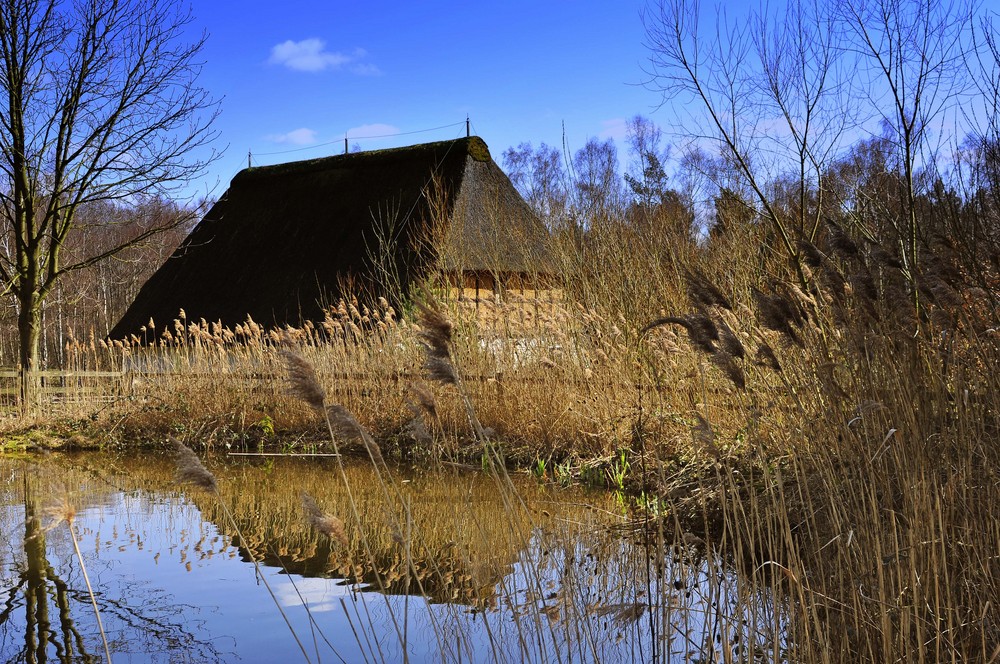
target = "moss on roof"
x: 473, y: 146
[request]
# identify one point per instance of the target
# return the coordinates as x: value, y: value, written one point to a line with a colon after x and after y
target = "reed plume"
x: 701, y: 330
x: 324, y: 522
x: 303, y: 383
x: 704, y: 333
x: 729, y: 342
x: 416, y: 429
x: 728, y: 366
x: 841, y: 242
x: 777, y: 313
x: 342, y: 422
x: 189, y: 469
x: 864, y: 288
x: 885, y: 258
x: 436, y: 329
x: 704, y: 436
x: 703, y: 292
x: 811, y: 254
x: 436, y: 333
x: 766, y: 358
x: 424, y: 398
x: 440, y: 369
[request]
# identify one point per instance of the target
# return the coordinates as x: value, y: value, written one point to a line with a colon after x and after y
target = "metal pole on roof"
x: 467, y: 132
x: 249, y: 157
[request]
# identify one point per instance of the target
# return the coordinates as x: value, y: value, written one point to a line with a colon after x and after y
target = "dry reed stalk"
x: 946, y: 401
x: 191, y: 471
x: 66, y: 512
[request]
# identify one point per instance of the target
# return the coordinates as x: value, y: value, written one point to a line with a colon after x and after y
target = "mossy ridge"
x: 474, y: 146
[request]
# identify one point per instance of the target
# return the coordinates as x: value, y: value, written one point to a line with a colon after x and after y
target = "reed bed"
x: 828, y: 432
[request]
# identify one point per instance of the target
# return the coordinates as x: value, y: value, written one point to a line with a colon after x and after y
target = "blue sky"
x: 294, y: 75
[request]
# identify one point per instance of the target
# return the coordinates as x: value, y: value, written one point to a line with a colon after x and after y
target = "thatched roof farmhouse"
x: 284, y: 241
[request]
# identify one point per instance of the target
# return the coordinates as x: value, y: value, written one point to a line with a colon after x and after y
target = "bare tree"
x: 984, y: 140
x: 914, y: 52
x: 779, y: 91
x: 720, y: 72
x: 800, y: 65
x: 100, y: 103
x: 539, y: 176
x: 596, y: 179
x: 977, y: 162
x: 647, y: 176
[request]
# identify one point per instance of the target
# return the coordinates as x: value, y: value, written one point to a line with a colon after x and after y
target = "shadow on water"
x: 472, y: 578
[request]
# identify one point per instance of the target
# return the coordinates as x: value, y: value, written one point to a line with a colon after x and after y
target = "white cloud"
x: 320, y: 594
x: 614, y: 128
x: 300, y: 136
x: 311, y: 55
x: 372, y: 130
x: 366, y: 69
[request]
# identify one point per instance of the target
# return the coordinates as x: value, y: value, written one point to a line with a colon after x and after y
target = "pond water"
x: 444, y: 565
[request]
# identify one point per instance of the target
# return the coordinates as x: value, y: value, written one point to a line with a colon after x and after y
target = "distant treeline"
x: 87, y: 302
x: 666, y: 205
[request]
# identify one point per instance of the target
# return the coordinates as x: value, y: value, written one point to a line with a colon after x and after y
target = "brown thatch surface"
x: 284, y: 240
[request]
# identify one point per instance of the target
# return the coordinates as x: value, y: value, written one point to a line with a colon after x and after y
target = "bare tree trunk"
x: 28, y: 328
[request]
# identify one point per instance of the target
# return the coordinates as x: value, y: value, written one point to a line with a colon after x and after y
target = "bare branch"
x: 101, y: 104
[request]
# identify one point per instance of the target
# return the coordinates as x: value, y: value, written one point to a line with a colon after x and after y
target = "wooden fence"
x: 59, y: 386
x: 85, y: 388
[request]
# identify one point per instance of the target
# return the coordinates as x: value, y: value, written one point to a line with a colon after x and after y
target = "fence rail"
x: 52, y: 386
x: 61, y: 373
x: 61, y: 385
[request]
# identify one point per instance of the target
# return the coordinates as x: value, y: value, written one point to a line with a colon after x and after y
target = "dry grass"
x: 835, y: 444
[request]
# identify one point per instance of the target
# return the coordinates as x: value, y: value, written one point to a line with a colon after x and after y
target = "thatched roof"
x: 284, y: 240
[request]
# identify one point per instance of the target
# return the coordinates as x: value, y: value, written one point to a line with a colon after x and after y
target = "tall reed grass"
x: 832, y: 438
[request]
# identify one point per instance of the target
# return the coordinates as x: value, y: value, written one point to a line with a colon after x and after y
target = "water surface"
x: 449, y: 565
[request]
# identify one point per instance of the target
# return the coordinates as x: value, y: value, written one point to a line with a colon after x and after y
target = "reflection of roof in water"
x: 446, y: 576
x: 572, y: 576
x: 460, y: 552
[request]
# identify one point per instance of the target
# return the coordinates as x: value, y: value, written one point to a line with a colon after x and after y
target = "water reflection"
x: 474, y: 577
x: 48, y: 613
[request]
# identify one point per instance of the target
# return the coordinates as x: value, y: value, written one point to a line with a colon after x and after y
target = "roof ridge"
x: 475, y: 147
